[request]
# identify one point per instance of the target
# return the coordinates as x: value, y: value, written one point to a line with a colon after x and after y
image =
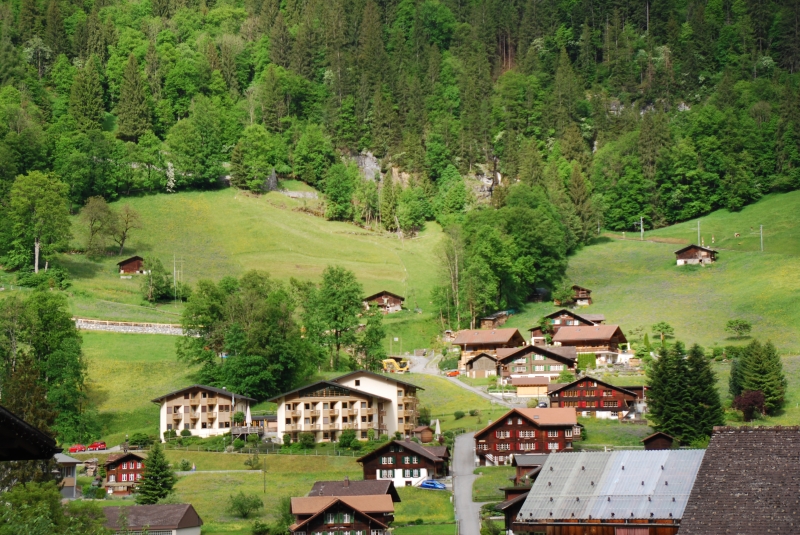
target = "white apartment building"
x: 206, y: 411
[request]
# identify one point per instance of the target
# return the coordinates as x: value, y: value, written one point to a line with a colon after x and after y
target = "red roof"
x: 486, y: 336
x: 602, y: 333
x: 552, y: 417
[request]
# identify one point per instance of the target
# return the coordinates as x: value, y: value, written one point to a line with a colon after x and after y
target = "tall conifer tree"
x: 86, y: 99
x: 133, y: 111
x: 703, y: 394
x: 388, y: 203
x: 158, y: 478
x: 280, y: 42
x: 762, y: 371
x: 55, y: 34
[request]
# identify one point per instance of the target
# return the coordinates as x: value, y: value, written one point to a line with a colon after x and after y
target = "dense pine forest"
x: 575, y: 116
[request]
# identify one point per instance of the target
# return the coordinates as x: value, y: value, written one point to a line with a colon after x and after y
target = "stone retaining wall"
x: 128, y: 327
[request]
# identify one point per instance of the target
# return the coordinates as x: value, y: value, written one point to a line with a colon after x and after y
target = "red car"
x: 97, y: 446
x: 453, y: 373
x: 77, y: 448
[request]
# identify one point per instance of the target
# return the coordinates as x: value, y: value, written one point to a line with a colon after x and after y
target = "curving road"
x: 467, y: 512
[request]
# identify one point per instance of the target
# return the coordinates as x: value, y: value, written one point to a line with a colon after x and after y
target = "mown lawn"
x: 430, y: 505
x: 492, y: 478
x: 610, y: 433
x: 426, y: 529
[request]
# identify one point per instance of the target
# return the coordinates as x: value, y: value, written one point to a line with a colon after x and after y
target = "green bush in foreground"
x: 243, y: 505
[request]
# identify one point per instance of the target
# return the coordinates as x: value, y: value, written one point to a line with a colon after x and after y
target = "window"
x: 503, y: 446
x: 510, y: 421
x: 204, y: 395
x: 569, y: 404
x: 169, y: 427
x: 483, y: 447
x: 363, y: 418
x: 501, y: 433
x: 556, y: 367
x: 526, y: 446
x: 125, y: 466
x: 538, y: 368
x: 387, y: 460
x: 552, y: 445
x: 112, y: 478
x: 614, y: 414
x: 406, y: 473
x: 610, y: 404
x: 415, y: 472
x: 520, y: 369
x: 607, y: 393
x: 399, y: 406
x: 538, y: 357
x: 139, y: 465
x: 568, y: 433
x: 519, y: 421
x: 227, y: 424
x: 414, y: 460
x: 526, y: 434
x: 363, y: 404
x: 552, y: 433
x: 387, y: 474
x: 330, y: 518
x: 358, y: 382
x: 399, y: 393
x: 138, y: 477
x: 592, y: 383
x: 186, y: 396
x: 204, y: 425
x: 591, y: 393
x: 406, y: 460
x: 326, y: 436
x: 400, y: 421
x: 591, y: 404
x: 363, y: 434
x: 124, y: 477
x: 556, y: 322
x: 288, y: 421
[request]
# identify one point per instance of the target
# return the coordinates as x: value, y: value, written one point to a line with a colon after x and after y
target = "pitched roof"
x: 529, y: 381
x: 421, y: 428
x: 384, y: 292
x: 333, y: 502
x: 500, y: 314
x: 320, y: 384
x: 554, y: 352
x: 529, y: 459
x: 576, y: 287
x: 376, y: 503
x: 118, y: 456
x: 598, y: 381
x: 129, y: 259
x: 379, y: 376
x: 23, y: 442
x: 355, y: 488
x: 502, y: 506
x: 593, y: 332
x: 557, y: 416
x: 586, y: 317
x: 657, y: 434
x: 214, y: 389
x: 693, y: 246
x: 486, y: 336
x: 480, y: 355
x: 66, y: 459
x: 618, y: 484
x: 410, y: 445
x: 594, y: 318
x: 748, y: 484
x: 154, y: 517
x: 439, y: 451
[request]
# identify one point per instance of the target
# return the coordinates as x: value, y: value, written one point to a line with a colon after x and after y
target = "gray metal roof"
x: 594, y: 485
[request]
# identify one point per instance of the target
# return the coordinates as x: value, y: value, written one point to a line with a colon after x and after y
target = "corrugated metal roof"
x: 594, y: 485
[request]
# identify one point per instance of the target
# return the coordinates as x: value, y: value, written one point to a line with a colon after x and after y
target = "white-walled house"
x: 358, y: 401
x: 205, y: 411
x: 406, y: 463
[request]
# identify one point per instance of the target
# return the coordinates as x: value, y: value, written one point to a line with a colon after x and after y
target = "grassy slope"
x: 492, y: 478
x: 227, y: 232
x: 638, y: 284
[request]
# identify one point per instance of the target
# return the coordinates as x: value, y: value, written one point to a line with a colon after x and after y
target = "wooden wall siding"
x: 133, y: 265
x: 658, y: 443
x: 694, y: 254
x: 374, y: 463
x: 482, y: 363
x: 358, y: 522
x: 581, y: 398
x: 511, y: 366
x: 565, y: 320
x: 520, y: 436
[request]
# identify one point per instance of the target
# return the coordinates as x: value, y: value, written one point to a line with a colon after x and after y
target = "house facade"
x: 563, y: 318
x: 531, y: 387
x: 167, y: 519
x: 405, y: 463
x: 206, y: 411
x: 480, y: 366
x: 607, y: 342
x: 475, y: 341
x: 134, y: 264
x: 493, y: 321
x: 339, y: 517
x: 386, y: 301
x: 695, y: 254
x: 526, y: 431
x: 124, y: 472
x: 611, y: 493
x: 67, y: 483
x: 535, y: 361
x: 596, y: 398
x: 359, y: 401
x: 379, y: 507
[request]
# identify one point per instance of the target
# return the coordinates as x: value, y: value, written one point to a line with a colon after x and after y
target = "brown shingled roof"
x: 593, y: 332
x: 561, y: 416
x: 154, y: 517
x: 310, y: 505
x: 529, y: 381
x: 355, y: 488
x: 748, y: 483
x: 485, y: 336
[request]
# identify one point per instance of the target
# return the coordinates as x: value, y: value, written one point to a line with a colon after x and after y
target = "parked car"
x: 454, y: 373
x: 77, y: 448
x: 432, y: 484
x: 96, y: 446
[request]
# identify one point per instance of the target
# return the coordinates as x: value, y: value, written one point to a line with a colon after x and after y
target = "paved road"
x: 467, y: 511
x: 429, y: 366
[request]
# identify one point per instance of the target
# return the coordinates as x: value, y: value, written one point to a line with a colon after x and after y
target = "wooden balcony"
x: 408, y: 400
x: 349, y: 426
x: 177, y: 416
x: 368, y: 412
x: 313, y: 414
x: 291, y: 427
x: 247, y: 430
x: 328, y: 427
x: 330, y: 412
x: 349, y: 412
x: 194, y: 415
x: 382, y: 413
x: 211, y: 415
x: 409, y: 414
x: 311, y: 427
x: 292, y: 414
x: 408, y: 427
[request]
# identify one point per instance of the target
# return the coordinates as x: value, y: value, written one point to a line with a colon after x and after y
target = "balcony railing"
x: 368, y: 412
x: 330, y: 412
x: 311, y: 427
x: 328, y: 427
x: 194, y: 415
x: 382, y: 413
x: 408, y: 427
x: 292, y: 414
x: 349, y: 412
x: 313, y: 414
x: 408, y: 399
x: 247, y: 430
x: 409, y: 414
x: 349, y: 426
x: 292, y: 427
x: 177, y: 416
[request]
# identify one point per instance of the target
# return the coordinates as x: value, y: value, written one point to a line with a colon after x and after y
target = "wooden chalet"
x: 424, y: 434
x: 134, y: 264
x: 535, y: 361
x: 341, y: 515
x: 123, y: 472
x: 23, y: 442
x: 364, y: 487
x: 580, y: 296
x: 474, y: 341
x: 695, y: 254
x: 602, y: 340
x: 748, y: 483
x: 493, y: 321
x: 563, y: 318
x: 531, y: 387
x: 526, y: 431
x: 611, y: 493
x: 173, y: 519
x: 593, y: 397
x: 480, y: 366
x: 380, y: 506
x: 405, y: 462
x: 386, y: 301
x: 658, y: 441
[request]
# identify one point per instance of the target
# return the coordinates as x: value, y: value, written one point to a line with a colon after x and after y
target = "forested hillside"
x: 582, y: 114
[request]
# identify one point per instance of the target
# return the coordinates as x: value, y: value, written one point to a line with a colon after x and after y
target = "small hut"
x: 134, y: 264
x: 658, y: 441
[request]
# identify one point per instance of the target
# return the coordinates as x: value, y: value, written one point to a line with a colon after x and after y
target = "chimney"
x: 346, y: 481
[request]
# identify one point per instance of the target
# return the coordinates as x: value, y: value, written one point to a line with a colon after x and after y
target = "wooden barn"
x: 611, y: 493
x: 695, y: 254
x: 424, y: 433
x: 134, y: 264
x: 386, y: 301
x: 493, y: 321
x: 480, y: 366
x: 581, y: 296
x: 531, y: 387
x: 658, y: 441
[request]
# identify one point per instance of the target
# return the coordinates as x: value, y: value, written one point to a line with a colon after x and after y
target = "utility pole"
x: 761, y: 231
x: 641, y: 228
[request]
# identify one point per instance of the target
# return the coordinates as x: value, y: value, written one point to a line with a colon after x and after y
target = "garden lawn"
x: 601, y: 433
x: 492, y: 478
x: 426, y: 529
x: 429, y: 505
x: 127, y: 371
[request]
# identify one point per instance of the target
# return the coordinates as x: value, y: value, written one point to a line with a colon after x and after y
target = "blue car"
x: 432, y: 484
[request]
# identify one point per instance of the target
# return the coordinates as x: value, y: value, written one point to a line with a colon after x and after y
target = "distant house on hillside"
x: 172, y: 519
x: 493, y: 321
x: 602, y: 340
x: 695, y: 254
x: 593, y: 397
x: 580, y: 296
x: 364, y: 487
x: 480, y: 366
x: 535, y: 361
x: 475, y: 341
x: 658, y: 441
x: 564, y: 318
x: 67, y: 483
x: 405, y: 462
x: 341, y: 515
x: 124, y: 472
x: 134, y: 264
x: 386, y: 301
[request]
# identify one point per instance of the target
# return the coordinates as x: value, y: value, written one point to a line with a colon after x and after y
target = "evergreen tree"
x: 305, y: 44
x: 280, y: 42
x: 158, y: 478
x: 703, y: 394
x: 133, y: 111
x: 669, y: 400
x: 371, y: 53
x: 581, y: 194
x: 29, y: 23
x: 86, y: 99
x: 55, y: 35
x: 762, y: 371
